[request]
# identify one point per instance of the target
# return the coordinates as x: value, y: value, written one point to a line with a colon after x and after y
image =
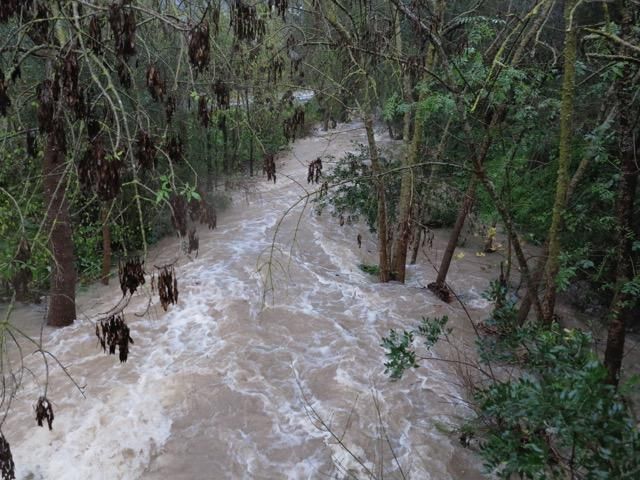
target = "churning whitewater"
x: 225, y: 385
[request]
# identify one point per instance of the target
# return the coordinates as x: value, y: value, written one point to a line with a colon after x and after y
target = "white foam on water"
x: 215, y: 382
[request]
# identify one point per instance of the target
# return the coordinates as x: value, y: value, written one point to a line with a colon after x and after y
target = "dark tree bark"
x: 383, y: 240
x: 564, y: 159
x: 62, y: 307
x: 623, y: 301
x: 479, y: 154
x: 467, y: 205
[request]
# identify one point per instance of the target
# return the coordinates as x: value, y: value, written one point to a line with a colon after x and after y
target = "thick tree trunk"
x: 532, y: 288
x: 467, y: 205
x: 406, y: 204
x: 62, y: 306
x: 539, y: 12
x: 106, y: 245
x: 412, y: 152
x: 623, y: 301
x: 564, y: 160
x: 605, y: 116
x: 417, y: 237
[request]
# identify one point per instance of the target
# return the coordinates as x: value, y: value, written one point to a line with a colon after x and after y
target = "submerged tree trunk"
x: 564, y: 159
x: 383, y: 238
x: 62, y: 294
x: 106, y: 245
x: 467, y: 205
x: 412, y: 152
x: 417, y: 238
x: 539, y: 11
x: 623, y: 300
x: 406, y: 203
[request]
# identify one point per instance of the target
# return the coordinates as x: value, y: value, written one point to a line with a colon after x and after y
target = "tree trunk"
x: 407, y: 185
x: 623, y: 301
x: 106, y: 245
x: 605, y: 116
x: 62, y: 306
x: 417, y: 237
x: 406, y: 203
x: 540, y: 11
x: 564, y: 160
x: 513, y: 236
x: 467, y: 204
x: 376, y: 169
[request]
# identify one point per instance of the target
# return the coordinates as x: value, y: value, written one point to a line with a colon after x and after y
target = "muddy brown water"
x: 223, y: 386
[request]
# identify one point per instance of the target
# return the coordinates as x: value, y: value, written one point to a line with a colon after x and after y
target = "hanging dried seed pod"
x: 314, y: 171
x: 203, y: 212
x: 38, y: 18
x: 215, y: 19
x: 167, y: 287
x: 101, y: 172
x: 208, y: 216
x: 170, y: 107
x: 174, y: 149
x: 199, y: 49
x: 275, y: 69
x: 59, y: 138
x: 245, y: 21
x: 68, y: 72
x: 293, y: 124
x: 94, y: 35
x: 194, y: 242
x: 203, y: 111
x: 179, y: 214
x: 145, y: 151
x: 124, y: 74
x: 7, y: 467
x: 123, y: 25
x: 8, y: 8
x: 44, y: 412
x: 114, y: 332
x: 5, y: 101
x: 280, y: 7
x: 269, y: 167
x: 46, y: 100
x: 131, y: 275
x: 223, y: 96
x: 30, y: 144
x: 155, y: 83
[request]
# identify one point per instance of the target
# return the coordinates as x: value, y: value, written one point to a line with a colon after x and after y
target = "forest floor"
x: 225, y: 385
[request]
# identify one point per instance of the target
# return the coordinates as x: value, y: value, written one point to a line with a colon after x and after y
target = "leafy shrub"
x: 555, y: 416
x: 354, y: 191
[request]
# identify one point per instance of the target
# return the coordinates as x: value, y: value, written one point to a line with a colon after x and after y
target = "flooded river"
x: 226, y: 386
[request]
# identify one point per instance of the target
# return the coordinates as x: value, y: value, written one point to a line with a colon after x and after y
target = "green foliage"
x: 355, y: 192
x: 558, y: 414
x: 400, y: 352
x: 555, y: 414
x: 370, y: 269
x: 394, y: 108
